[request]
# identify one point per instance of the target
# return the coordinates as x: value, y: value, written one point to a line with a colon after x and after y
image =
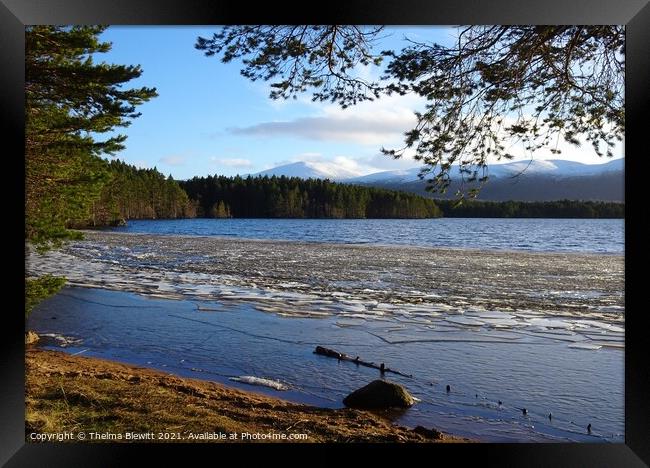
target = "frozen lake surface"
x: 541, y: 331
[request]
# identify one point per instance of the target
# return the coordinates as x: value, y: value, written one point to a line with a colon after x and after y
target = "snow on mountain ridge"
x: 310, y: 169
x: 331, y: 170
x: 555, y: 167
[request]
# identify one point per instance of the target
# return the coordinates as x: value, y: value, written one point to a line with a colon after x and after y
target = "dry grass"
x: 74, y: 393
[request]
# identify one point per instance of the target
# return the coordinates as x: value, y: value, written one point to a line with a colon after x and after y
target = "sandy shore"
x: 104, y: 399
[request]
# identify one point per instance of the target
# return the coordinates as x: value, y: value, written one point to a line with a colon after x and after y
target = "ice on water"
x: 384, y: 298
x: 252, y: 380
x: 322, y: 280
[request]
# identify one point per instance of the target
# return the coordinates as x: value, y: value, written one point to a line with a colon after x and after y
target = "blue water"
x: 224, y: 326
x: 232, y: 339
x: 543, y: 235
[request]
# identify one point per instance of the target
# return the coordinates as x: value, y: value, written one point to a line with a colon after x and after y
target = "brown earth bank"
x: 114, y: 402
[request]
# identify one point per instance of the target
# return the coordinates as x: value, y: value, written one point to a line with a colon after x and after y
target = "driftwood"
x: 344, y: 357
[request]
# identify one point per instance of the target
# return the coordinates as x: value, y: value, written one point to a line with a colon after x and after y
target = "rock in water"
x: 31, y: 337
x: 379, y: 394
x: 428, y: 433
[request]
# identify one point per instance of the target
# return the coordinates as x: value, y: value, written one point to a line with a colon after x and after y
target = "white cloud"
x: 583, y: 153
x: 356, y: 166
x: 232, y: 162
x: 352, y: 165
x: 308, y: 157
x: 387, y: 163
x: 173, y: 160
x: 376, y: 123
x: 368, y: 131
x: 341, y: 166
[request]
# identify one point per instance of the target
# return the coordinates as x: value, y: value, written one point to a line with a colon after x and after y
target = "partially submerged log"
x: 344, y: 357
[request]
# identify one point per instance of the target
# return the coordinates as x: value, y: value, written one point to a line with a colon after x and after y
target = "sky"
x: 208, y: 119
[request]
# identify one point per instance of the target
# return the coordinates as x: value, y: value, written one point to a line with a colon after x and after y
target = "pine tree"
x: 285, y: 197
x: 70, y: 98
x: 220, y: 210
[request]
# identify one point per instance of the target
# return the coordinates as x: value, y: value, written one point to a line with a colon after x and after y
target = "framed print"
x: 413, y: 230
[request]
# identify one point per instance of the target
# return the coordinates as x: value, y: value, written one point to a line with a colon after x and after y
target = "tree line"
x: 133, y: 193
x: 293, y: 197
x: 521, y: 209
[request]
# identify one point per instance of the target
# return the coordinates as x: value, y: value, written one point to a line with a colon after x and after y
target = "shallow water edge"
x: 538, y: 331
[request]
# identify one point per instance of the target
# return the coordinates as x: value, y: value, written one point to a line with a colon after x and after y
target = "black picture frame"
x: 635, y: 14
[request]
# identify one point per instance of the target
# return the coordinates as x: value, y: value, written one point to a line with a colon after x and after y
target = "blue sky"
x: 208, y: 119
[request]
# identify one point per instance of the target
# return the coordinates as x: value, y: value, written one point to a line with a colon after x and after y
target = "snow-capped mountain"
x: 537, y: 180
x: 309, y: 169
x: 522, y: 180
x: 556, y: 168
x: 405, y: 175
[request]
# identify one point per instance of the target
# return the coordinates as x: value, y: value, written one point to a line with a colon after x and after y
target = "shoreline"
x: 378, y: 303
x: 68, y: 393
x: 240, y: 340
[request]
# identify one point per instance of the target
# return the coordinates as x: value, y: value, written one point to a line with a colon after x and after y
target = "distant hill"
x: 310, y: 170
x: 538, y: 180
x: 556, y: 168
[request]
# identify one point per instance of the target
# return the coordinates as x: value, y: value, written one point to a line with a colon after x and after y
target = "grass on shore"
x: 74, y: 393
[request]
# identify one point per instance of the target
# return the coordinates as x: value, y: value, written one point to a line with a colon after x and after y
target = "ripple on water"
x: 481, y: 335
